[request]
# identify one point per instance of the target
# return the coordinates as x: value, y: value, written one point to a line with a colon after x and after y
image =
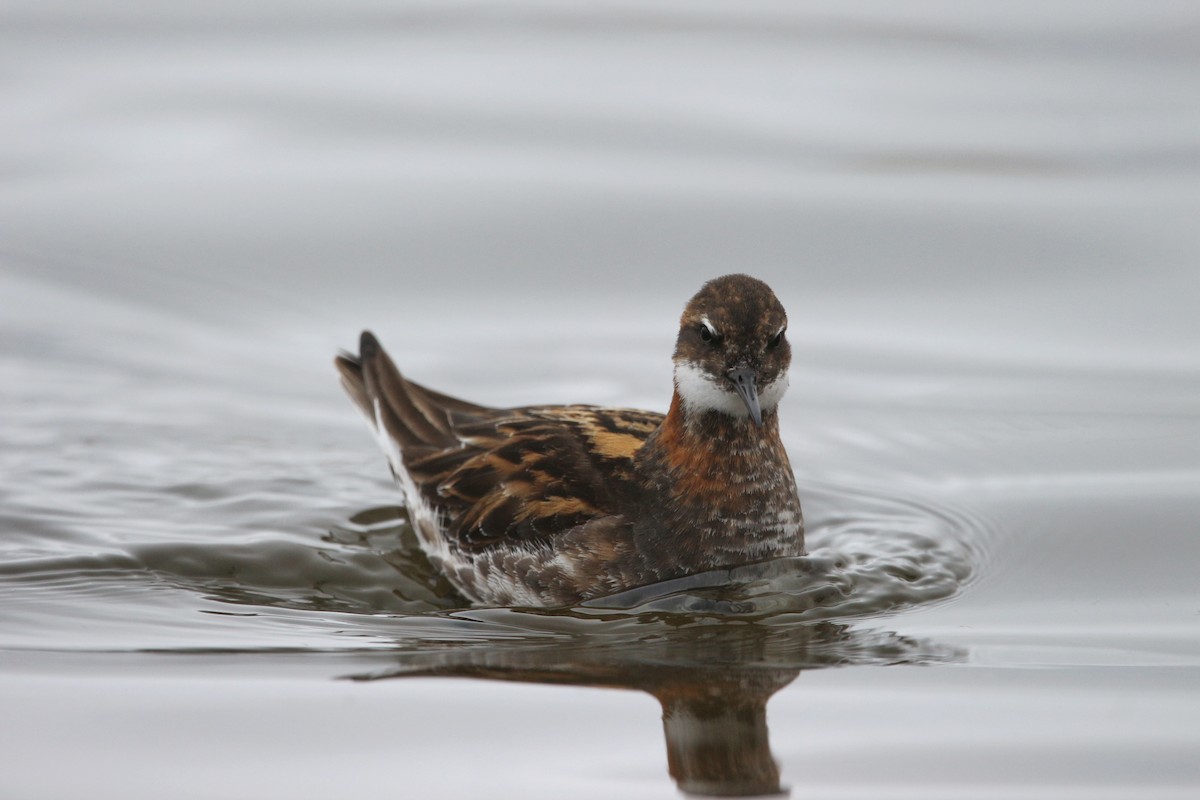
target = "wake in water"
x: 887, y: 555
x: 367, y: 584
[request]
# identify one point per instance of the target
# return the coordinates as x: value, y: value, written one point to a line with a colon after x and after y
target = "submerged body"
x: 552, y: 505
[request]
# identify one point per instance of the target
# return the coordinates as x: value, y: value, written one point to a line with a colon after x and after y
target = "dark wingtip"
x: 368, y: 345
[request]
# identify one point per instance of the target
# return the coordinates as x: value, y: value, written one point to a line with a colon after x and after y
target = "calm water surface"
x: 981, y: 221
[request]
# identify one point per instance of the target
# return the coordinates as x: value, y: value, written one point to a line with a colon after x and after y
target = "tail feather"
x: 350, y: 369
x: 411, y: 414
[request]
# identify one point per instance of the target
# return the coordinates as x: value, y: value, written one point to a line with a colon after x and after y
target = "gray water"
x: 981, y: 218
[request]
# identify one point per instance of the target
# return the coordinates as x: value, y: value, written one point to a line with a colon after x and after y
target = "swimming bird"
x: 556, y: 504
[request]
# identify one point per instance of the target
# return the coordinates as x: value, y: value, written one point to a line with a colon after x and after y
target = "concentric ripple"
x: 878, y: 555
x: 366, y: 585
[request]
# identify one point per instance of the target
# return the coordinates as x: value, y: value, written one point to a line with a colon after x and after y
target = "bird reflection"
x: 713, y: 680
x: 712, y: 648
x: 716, y: 732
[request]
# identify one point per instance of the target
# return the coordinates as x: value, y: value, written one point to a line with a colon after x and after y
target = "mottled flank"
x: 550, y: 505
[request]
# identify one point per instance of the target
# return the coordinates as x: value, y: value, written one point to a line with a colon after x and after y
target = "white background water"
x: 981, y: 218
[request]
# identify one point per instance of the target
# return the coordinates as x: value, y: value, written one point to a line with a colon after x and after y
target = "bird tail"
x: 411, y: 415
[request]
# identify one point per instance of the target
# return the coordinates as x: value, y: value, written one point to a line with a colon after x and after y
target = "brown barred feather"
x: 501, y: 476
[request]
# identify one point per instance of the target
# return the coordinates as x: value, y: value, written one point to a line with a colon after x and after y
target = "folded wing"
x: 499, y: 477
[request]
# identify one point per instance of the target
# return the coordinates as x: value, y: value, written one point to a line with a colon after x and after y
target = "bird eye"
x: 708, y: 333
x: 776, y: 340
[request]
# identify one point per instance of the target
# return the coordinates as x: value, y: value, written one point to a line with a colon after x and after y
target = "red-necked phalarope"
x: 552, y: 505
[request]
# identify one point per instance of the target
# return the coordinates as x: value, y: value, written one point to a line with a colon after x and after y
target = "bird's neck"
x: 728, y: 487
x: 697, y: 445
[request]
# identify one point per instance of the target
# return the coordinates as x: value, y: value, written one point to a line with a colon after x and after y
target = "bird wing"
x: 499, y: 476
x: 525, y: 475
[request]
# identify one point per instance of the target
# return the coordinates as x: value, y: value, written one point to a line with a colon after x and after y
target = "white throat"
x: 701, y: 391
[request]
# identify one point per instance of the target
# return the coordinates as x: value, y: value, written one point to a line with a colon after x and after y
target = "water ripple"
x: 366, y: 584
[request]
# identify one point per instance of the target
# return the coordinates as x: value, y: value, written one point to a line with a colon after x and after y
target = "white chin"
x: 700, y: 391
